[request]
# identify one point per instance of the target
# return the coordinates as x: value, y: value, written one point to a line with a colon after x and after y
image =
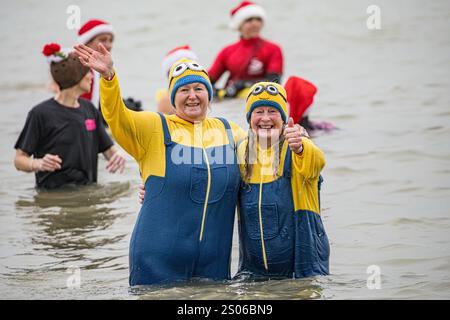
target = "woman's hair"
x: 250, y: 155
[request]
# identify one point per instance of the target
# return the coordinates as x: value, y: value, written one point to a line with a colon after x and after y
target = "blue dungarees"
x: 168, y: 243
x: 295, y: 242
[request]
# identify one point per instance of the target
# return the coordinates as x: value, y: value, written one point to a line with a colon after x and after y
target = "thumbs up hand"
x: 293, y: 136
x: 290, y: 122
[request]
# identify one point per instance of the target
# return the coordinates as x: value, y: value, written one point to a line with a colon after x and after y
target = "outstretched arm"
x: 129, y: 128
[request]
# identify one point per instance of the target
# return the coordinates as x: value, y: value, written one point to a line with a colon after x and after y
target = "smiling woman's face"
x: 191, y: 102
x: 267, y: 123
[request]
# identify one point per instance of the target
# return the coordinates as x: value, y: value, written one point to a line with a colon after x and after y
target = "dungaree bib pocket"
x: 199, y: 183
x: 270, y: 220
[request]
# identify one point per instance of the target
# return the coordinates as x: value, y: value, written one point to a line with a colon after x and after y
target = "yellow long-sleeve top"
x: 306, y: 168
x: 141, y: 133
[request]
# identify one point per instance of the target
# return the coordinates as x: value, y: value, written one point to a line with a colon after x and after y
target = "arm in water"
x: 24, y: 162
x: 116, y: 160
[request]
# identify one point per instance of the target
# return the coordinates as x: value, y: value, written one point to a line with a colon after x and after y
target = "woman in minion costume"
x: 187, y: 161
x: 280, y: 228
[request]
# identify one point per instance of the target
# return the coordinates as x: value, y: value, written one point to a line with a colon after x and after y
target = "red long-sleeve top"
x: 248, y: 59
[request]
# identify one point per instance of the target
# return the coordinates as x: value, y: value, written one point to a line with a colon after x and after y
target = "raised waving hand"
x: 100, y: 60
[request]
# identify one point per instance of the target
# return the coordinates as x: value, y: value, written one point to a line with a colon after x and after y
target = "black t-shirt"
x: 76, y: 135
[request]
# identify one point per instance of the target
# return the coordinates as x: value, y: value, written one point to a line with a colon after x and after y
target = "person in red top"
x: 252, y: 58
x: 91, y: 34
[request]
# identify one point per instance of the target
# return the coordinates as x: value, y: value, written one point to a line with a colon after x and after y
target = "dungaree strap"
x: 229, y: 132
x: 167, y: 138
x: 287, y: 167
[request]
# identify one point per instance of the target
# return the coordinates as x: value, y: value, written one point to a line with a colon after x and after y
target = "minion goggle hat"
x: 185, y: 72
x: 267, y: 94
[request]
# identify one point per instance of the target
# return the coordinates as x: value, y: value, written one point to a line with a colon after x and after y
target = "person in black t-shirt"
x: 63, y: 135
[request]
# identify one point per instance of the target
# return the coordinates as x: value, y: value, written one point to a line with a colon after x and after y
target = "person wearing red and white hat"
x: 252, y: 58
x: 96, y: 31
x: 178, y: 53
x: 92, y: 33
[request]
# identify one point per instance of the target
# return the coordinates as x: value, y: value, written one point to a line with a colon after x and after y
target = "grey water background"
x: 386, y: 195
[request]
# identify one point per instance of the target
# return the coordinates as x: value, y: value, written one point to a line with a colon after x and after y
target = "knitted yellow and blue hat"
x: 267, y: 94
x: 185, y: 72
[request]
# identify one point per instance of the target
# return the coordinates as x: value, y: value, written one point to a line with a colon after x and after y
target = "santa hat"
x: 176, y: 54
x: 300, y: 96
x: 244, y: 11
x: 93, y: 28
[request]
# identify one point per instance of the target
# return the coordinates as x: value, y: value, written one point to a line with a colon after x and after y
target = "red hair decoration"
x: 50, y: 49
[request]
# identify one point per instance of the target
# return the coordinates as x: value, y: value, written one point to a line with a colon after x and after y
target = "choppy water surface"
x: 387, y: 181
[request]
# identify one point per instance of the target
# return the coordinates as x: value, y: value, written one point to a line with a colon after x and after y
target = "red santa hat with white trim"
x: 176, y: 54
x: 244, y: 11
x: 93, y: 28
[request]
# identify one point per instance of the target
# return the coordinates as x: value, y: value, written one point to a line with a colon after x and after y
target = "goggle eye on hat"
x: 179, y: 69
x: 182, y: 67
x: 270, y: 89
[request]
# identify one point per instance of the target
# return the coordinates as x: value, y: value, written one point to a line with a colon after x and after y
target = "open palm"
x: 101, y: 60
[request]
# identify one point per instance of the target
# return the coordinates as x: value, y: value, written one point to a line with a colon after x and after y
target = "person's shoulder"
x: 238, y: 133
x: 234, y: 125
x: 153, y: 119
x: 241, y: 148
x: 214, y: 122
x: 43, y: 107
x: 88, y: 107
x: 271, y: 44
x: 87, y: 104
x: 218, y: 121
x: 232, y: 46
